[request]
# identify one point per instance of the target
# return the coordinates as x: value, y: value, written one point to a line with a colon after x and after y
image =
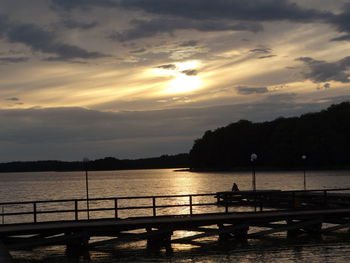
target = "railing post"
x: 294, y: 204
x: 34, y: 212
x: 3, y: 217
x: 191, y: 209
x: 154, y: 206
x: 325, y: 198
x: 226, y: 204
x: 254, y: 201
x: 76, y: 210
x: 116, y: 208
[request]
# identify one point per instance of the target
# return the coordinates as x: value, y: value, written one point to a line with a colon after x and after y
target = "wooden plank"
x: 197, y: 229
x: 129, y: 237
x: 286, y: 227
x: 211, y: 233
x: 267, y: 225
x: 333, y: 228
x: 59, y: 240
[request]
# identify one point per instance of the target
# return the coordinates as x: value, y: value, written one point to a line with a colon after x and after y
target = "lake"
x: 70, y: 185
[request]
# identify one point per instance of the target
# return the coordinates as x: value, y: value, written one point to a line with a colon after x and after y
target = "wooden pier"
x: 308, y: 199
x: 238, y: 216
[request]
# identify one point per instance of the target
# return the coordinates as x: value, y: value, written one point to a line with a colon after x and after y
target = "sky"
x: 143, y: 78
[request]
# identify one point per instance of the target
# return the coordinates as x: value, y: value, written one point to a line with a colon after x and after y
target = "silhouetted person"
x: 235, y: 187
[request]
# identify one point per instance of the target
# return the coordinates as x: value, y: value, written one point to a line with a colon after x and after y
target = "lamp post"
x: 303, y: 157
x: 86, y: 161
x: 253, y: 158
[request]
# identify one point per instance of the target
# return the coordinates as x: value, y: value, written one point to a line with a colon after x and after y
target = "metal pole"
x: 303, y: 158
x: 253, y: 158
x: 87, y: 189
x: 253, y: 171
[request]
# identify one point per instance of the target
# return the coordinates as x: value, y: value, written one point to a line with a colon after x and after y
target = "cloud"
x: 190, y: 72
x: 247, y: 15
x: 342, y: 38
x: 342, y: 23
x: 268, y: 56
x: 248, y: 10
x: 12, y: 99
x: 136, y: 51
x: 190, y: 43
x: 282, y: 98
x: 44, y: 41
x: 322, y: 71
x: 168, y: 66
x: 326, y: 85
x: 243, y: 90
x: 261, y: 50
x: 69, y: 5
x: 72, y: 24
x: 148, y: 28
x: 13, y: 59
x: 71, y: 133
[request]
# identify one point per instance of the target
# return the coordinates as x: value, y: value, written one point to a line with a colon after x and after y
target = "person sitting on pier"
x: 235, y: 187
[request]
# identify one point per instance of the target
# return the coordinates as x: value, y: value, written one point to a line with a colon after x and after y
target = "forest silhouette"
x: 323, y: 137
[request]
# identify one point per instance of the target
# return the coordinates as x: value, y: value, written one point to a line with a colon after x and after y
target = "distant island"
x: 323, y: 139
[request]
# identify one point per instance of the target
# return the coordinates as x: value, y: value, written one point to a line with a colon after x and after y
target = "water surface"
x: 70, y: 185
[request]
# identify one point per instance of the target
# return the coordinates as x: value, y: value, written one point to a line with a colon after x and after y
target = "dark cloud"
x: 323, y: 71
x: 342, y: 23
x: 190, y: 72
x: 81, y: 4
x: 13, y: 59
x: 243, y: 90
x: 261, y: 50
x: 248, y: 10
x: 342, y: 38
x: 72, y: 24
x: 326, y: 85
x: 282, y: 98
x: 12, y: 99
x: 247, y: 15
x: 267, y: 56
x: 168, y: 66
x: 241, y: 15
x: 148, y: 28
x: 71, y: 133
x: 136, y: 51
x: 43, y: 41
x: 190, y: 43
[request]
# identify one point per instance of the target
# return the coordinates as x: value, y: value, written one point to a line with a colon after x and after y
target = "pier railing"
x: 77, y: 209
x: 165, y: 205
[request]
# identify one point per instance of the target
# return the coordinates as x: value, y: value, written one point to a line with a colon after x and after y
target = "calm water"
x: 67, y: 185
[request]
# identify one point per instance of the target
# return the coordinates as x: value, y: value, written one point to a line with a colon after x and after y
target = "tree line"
x: 107, y: 163
x: 323, y: 137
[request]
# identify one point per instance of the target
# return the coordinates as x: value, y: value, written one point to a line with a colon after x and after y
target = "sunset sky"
x: 142, y: 78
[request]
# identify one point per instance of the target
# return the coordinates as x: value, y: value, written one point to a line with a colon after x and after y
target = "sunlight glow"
x: 181, y: 81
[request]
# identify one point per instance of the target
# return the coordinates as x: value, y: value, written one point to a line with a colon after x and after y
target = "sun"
x: 183, y: 83
x: 184, y: 77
